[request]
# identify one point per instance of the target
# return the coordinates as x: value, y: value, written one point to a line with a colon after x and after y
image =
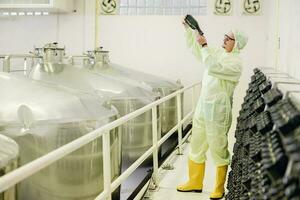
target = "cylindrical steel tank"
x: 137, y: 133
x: 100, y: 63
x: 9, y: 151
x: 41, y: 118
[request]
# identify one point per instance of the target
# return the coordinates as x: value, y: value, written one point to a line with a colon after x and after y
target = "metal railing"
x: 35, y: 166
x: 27, y: 65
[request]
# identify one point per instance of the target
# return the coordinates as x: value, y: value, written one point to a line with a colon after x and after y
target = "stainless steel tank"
x: 137, y: 133
x: 9, y: 151
x: 41, y: 118
x: 100, y: 63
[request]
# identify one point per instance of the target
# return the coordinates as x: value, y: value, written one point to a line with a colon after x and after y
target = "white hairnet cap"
x: 240, y: 39
x: 9, y: 150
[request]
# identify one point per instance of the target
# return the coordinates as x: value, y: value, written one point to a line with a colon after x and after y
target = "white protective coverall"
x: 212, y: 118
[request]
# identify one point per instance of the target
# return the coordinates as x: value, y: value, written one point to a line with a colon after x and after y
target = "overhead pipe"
x: 277, y: 36
x: 97, y: 15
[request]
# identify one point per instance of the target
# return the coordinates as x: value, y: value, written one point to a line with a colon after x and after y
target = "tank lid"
x: 39, y: 51
x: 53, y: 46
x: 100, y: 49
x: 9, y: 150
x: 97, y: 50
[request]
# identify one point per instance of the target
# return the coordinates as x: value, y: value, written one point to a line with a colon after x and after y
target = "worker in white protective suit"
x: 212, y: 118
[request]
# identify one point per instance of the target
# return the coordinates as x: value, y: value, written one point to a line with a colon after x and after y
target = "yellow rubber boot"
x: 196, y: 175
x: 219, y: 191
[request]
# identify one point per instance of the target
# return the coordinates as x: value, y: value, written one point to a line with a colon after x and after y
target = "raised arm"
x: 192, y: 43
x: 223, y: 67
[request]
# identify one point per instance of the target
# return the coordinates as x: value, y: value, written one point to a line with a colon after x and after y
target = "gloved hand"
x: 184, y: 23
x: 201, y: 40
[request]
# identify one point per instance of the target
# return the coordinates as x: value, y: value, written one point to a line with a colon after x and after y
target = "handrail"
x: 35, y: 166
x: 18, y: 56
x: 6, y: 63
x: 70, y: 59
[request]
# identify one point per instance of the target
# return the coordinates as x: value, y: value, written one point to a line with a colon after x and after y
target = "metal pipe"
x: 179, y: 113
x: 21, y: 70
x: 70, y: 59
x: 155, y: 145
x: 19, y: 56
x: 106, y: 164
x: 102, y: 195
x: 32, y: 65
x: 7, y: 63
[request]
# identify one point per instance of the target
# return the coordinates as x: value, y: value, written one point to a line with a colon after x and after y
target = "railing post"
x: 32, y: 65
x: 25, y: 67
x: 155, y: 144
x: 6, y: 64
x: 71, y: 60
x: 106, y: 164
x: 179, y: 114
x: 194, y: 102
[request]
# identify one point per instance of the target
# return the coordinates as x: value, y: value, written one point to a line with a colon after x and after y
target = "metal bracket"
x: 188, y: 140
x: 178, y: 152
x: 152, y: 185
x: 168, y: 166
x: 147, y: 196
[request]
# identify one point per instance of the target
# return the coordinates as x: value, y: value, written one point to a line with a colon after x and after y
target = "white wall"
x: 156, y: 44
x: 271, y: 37
x: 20, y: 34
x: 289, y: 30
x: 289, y: 26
